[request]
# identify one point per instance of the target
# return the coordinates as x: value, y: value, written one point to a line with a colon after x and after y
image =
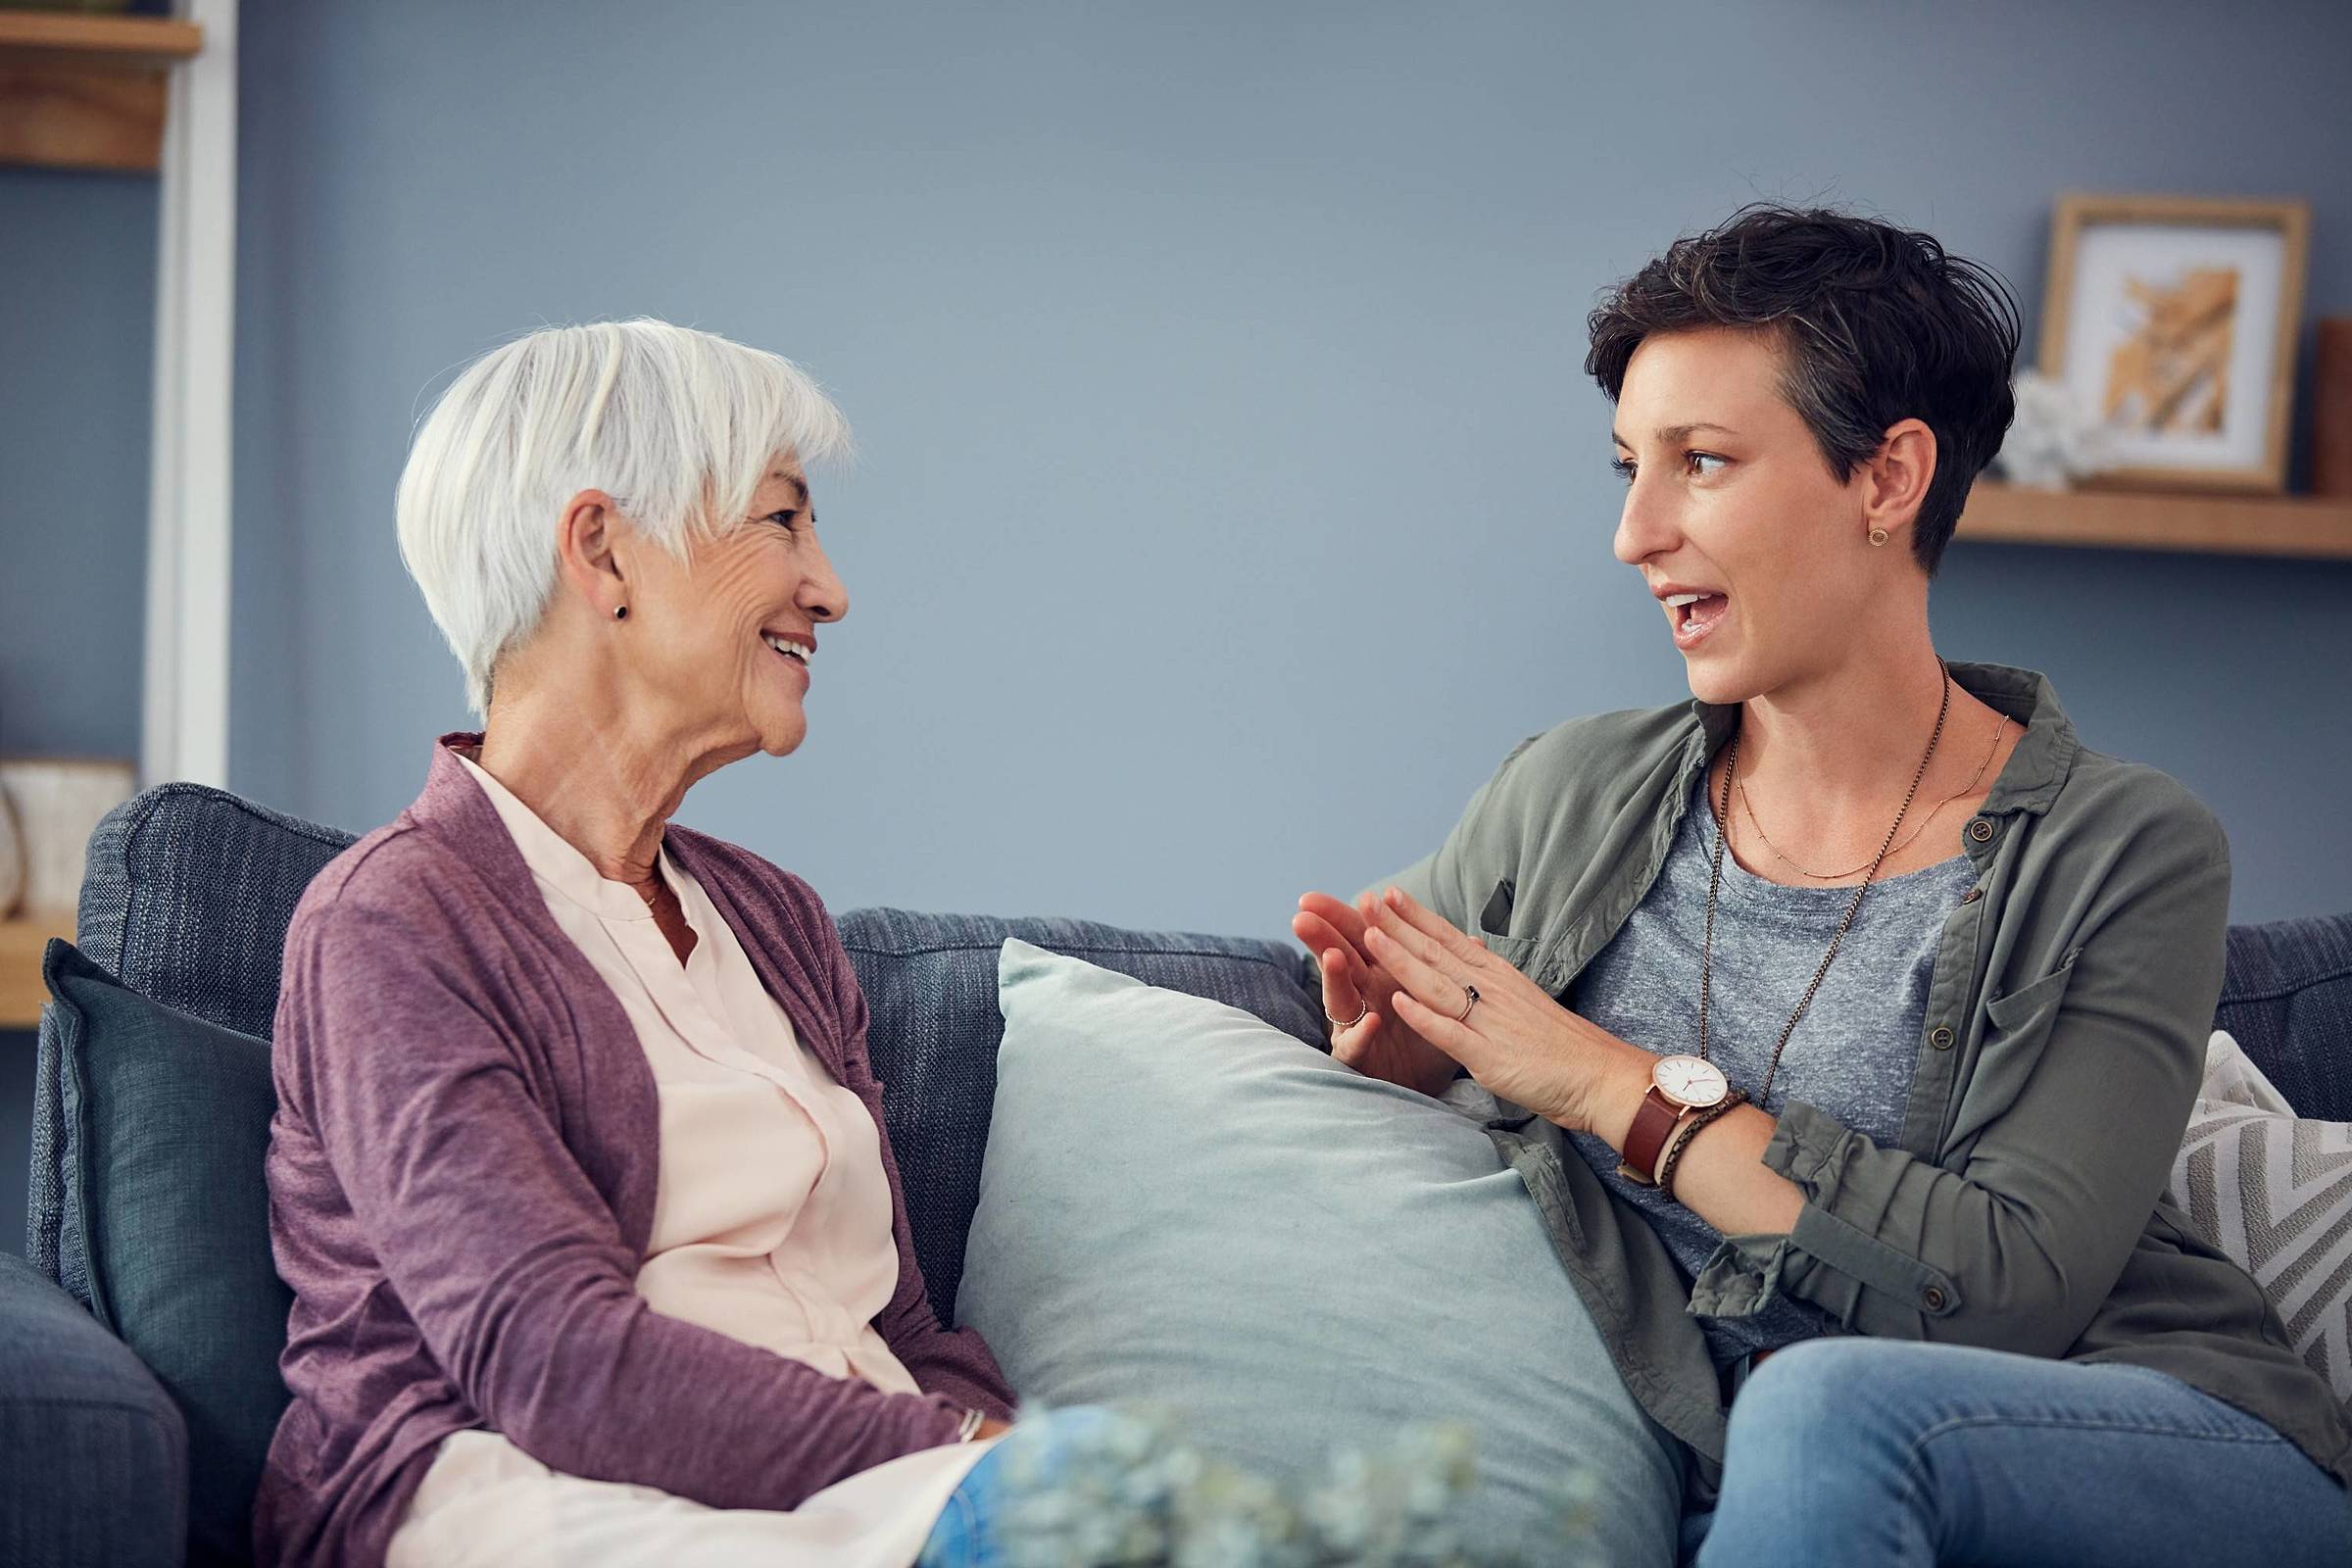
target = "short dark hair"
x: 1875, y: 324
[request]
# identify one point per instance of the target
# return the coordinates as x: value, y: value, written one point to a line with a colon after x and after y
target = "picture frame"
x: 2173, y: 321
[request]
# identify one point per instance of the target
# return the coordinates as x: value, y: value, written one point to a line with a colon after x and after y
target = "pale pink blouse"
x: 771, y: 1224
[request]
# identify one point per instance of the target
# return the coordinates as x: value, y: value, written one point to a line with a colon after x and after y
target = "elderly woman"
x: 599, y: 1254
x: 1912, y: 1147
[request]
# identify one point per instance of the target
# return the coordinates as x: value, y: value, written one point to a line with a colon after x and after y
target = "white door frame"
x: 183, y: 729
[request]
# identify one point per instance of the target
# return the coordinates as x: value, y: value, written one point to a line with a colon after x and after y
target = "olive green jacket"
x: 2072, y: 995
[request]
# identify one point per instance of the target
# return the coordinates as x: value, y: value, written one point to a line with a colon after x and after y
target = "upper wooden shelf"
x: 96, y: 41
x: 2305, y: 526
x: 87, y: 92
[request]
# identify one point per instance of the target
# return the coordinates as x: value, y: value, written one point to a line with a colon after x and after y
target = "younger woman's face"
x: 1728, y: 493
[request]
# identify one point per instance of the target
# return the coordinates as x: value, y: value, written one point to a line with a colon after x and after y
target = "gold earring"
x: 1877, y: 536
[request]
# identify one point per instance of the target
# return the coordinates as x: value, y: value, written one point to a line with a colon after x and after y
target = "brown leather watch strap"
x: 1646, y: 1138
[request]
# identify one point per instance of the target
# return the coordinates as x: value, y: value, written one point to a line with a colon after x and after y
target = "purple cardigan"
x: 462, y: 1185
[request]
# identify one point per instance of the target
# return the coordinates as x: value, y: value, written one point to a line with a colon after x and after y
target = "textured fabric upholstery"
x: 186, y: 894
x: 168, y: 1117
x: 2286, y: 996
x: 93, y: 1454
x: 930, y: 981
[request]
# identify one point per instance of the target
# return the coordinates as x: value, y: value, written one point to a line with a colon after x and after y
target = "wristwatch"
x: 1679, y: 1087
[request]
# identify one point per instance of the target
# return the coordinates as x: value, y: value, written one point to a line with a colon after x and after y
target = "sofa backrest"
x: 186, y: 894
x: 2286, y: 996
x: 188, y: 891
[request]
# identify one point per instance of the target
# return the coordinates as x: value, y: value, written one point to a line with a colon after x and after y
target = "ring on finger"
x: 1362, y: 1006
x: 1469, y: 1000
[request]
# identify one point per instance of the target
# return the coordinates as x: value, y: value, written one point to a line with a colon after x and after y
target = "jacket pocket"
x: 2030, y: 1010
x: 2018, y: 1026
x: 1517, y: 950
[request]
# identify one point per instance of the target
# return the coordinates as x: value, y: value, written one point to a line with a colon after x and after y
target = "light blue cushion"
x: 1183, y: 1205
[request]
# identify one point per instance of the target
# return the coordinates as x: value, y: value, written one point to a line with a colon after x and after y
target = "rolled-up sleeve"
x: 2069, y: 1123
x: 1837, y: 1237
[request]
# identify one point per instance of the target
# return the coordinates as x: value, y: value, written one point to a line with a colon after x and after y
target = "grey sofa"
x: 147, y: 1224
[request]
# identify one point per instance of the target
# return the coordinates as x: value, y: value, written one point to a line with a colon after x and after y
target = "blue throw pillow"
x: 167, y: 1123
x: 1184, y: 1207
x: 930, y: 984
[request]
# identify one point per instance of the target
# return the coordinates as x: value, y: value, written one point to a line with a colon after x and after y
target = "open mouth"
x: 1696, y: 614
x: 787, y: 647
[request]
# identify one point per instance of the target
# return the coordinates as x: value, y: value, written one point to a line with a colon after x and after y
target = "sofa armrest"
x: 93, y: 1453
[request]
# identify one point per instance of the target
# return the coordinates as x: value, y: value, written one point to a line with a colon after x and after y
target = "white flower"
x: 2054, y: 439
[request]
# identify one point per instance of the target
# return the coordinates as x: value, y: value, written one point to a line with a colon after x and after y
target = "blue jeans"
x: 965, y: 1536
x: 1884, y: 1451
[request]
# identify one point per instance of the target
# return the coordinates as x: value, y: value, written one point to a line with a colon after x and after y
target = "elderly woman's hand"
x: 1516, y: 1041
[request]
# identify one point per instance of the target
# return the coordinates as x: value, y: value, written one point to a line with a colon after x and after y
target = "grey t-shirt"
x: 1851, y: 1054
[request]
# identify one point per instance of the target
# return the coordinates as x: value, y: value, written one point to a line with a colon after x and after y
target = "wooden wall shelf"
x: 2308, y: 527
x: 156, y: 40
x: 22, y: 991
x: 87, y: 92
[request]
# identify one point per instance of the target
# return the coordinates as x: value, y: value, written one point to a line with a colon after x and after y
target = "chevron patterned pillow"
x: 2274, y: 1192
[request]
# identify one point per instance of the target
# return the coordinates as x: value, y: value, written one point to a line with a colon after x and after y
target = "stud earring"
x: 1877, y: 536
x: 620, y: 612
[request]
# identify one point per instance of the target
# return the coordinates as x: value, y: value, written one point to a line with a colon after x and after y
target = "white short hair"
x: 678, y: 426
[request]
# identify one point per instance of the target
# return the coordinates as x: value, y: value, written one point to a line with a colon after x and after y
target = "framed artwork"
x: 2171, y: 320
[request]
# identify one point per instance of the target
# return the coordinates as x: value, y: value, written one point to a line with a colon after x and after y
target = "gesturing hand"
x: 1359, y: 992
x: 1516, y: 1041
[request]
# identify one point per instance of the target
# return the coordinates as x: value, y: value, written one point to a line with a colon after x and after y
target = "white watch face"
x: 1688, y: 1080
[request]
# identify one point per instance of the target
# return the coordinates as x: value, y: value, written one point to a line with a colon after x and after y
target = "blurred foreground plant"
x: 1130, y: 1492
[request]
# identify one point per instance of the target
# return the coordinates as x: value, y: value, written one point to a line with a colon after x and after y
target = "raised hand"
x: 1470, y: 1005
x: 1359, y: 999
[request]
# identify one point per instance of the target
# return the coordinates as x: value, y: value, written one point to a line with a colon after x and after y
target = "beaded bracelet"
x: 1690, y: 1130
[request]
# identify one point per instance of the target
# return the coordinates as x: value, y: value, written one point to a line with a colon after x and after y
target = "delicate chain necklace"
x: 2000, y: 727
x: 1723, y: 819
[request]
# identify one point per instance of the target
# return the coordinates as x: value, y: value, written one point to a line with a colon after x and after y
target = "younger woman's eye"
x: 1703, y: 457
x: 1623, y: 469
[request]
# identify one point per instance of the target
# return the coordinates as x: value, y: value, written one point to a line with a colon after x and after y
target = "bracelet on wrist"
x: 1692, y: 1129
x: 973, y: 1421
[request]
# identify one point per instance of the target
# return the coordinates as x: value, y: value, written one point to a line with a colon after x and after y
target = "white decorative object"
x: 57, y: 802
x: 2053, y: 440
x: 11, y: 860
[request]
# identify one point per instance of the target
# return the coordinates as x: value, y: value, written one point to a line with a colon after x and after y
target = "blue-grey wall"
x: 76, y: 358
x: 77, y: 345
x: 1230, y: 498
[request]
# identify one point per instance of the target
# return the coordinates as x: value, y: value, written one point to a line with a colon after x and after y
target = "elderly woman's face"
x: 1728, y: 493
x: 738, y: 621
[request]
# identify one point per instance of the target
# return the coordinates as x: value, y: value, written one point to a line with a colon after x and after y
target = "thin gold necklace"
x: 2000, y: 727
x: 1723, y: 819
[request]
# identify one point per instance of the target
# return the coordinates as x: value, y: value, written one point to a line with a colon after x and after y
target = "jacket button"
x: 1972, y: 895
x: 1980, y: 830
x: 1932, y: 1298
x: 1942, y: 1038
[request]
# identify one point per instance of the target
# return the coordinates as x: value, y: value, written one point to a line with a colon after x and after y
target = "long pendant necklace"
x: 1723, y: 820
